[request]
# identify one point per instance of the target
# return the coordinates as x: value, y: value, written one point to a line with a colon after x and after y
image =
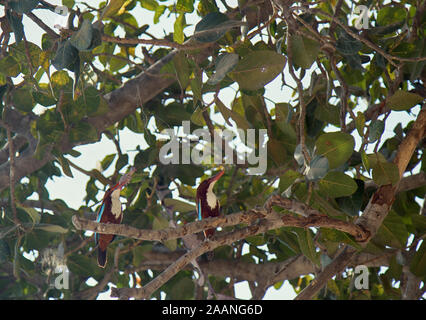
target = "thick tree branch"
x: 313, y: 219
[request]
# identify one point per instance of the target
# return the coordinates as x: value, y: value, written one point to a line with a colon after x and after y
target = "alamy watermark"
x: 361, y: 277
x: 62, y: 280
x: 211, y: 147
x: 53, y: 264
x: 362, y: 21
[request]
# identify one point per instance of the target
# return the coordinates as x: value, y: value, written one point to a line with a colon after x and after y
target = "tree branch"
x: 313, y: 219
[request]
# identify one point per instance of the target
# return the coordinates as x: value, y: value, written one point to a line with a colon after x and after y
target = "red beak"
x: 125, y: 179
x: 217, y: 176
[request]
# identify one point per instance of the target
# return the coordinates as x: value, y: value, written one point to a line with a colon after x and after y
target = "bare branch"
x: 313, y: 219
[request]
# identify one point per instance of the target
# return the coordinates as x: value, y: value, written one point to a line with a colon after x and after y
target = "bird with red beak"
x: 206, y: 201
x: 110, y: 212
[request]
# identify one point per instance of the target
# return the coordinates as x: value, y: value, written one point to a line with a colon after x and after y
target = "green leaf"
x: 317, y: 169
x: 65, y: 166
x: 121, y: 162
x: 385, y: 173
x: 9, y: 66
x: 83, y: 132
x: 304, y: 51
x: 60, y: 80
x: 328, y: 113
x: 82, y: 265
x: 158, y: 13
x: 392, y: 232
x: 391, y: 14
x: 278, y: 285
x: 23, y: 99
x: 32, y: 213
x: 51, y: 228
x: 16, y: 25
x: 374, y: 158
x: 185, y: 6
x: 82, y: 39
x: 307, y: 246
x: 257, y: 69
x: 339, y: 236
x: 213, y: 26
x: 257, y: 240
x: 44, y: 96
x: 159, y: 224
x: 347, y: 45
x: 106, y: 162
x: 419, y: 224
x: 23, y: 6
x: 197, y: 117
x: 90, y: 101
x: 241, y: 121
x: 150, y: 5
x: 20, y: 50
x: 418, y: 263
x: 66, y: 56
x: 113, y: 8
x: 4, y: 251
x: 352, y: 205
x: 178, y: 35
x: 179, y: 205
x: 182, y: 68
x: 337, y: 184
x: 337, y: 147
x: 224, y: 64
x: 287, y: 179
x: 365, y: 160
x: 360, y: 123
x: 402, y: 100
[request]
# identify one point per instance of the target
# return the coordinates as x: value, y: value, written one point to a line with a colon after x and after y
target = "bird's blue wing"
x: 199, y: 210
x: 98, y: 219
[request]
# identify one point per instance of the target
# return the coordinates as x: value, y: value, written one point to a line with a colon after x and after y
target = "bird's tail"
x: 102, y: 257
x: 208, y: 256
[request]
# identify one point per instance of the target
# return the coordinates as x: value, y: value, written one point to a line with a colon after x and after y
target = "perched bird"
x: 206, y: 201
x: 110, y: 212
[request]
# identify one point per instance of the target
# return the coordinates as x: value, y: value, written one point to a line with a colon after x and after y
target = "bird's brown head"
x: 204, y: 185
x: 124, y: 180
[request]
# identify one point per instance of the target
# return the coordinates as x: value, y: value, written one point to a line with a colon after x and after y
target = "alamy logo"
x: 361, y: 277
x: 53, y: 264
x: 212, y: 147
x: 62, y: 280
x: 362, y: 20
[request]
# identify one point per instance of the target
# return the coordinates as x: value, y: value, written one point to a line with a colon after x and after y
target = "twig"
x: 356, y: 36
x: 157, y: 42
x: 302, y: 105
x: 12, y: 174
x: 91, y: 173
x: 42, y: 25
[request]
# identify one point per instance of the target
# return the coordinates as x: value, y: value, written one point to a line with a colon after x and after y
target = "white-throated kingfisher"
x: 110, y: 212
x: 206, y: 201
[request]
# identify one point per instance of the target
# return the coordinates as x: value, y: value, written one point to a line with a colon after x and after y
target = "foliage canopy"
x: 330, y: 143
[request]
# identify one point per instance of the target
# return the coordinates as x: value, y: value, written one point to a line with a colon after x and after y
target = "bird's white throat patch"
x: 211, y: 197
x: 116, y: 203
